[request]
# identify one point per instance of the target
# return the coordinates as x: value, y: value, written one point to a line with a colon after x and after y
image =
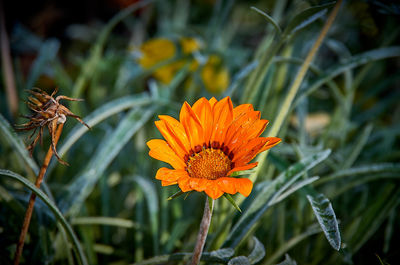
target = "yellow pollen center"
x: 208, y: 164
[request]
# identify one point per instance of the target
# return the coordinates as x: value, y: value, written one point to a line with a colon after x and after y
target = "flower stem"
x: 201, y: 237
x: 32, y: 199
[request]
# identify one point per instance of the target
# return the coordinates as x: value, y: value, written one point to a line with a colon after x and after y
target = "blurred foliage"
x: 333, y: 182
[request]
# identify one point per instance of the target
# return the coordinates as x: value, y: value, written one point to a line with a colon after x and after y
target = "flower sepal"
x: 232, y: 201
x: 241, y: 173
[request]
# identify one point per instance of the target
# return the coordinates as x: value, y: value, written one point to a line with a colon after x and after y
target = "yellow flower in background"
x: 156, y: 51
x: 215, y: 75
x: 160, y: 50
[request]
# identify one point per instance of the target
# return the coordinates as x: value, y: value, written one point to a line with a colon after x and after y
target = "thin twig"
x: 201, y: 237
x: 8, y: 71
x: 29, y: 210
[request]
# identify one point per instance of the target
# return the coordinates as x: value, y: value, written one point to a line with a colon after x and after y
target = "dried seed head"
x: 47, y: 111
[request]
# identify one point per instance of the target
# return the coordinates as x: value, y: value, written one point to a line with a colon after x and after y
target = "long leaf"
x: 326, y: 217
x: 263, y: 199
x: 353, y: 62
x: 84, y: 184
x: 219, y: 256
x: 102, y: 113
x: 11, y: 137
x: 306, y: 17
x: 151, y: 196
x: 370, y: 169
x: 92, y: 62
x: 57, y: 213
x: 47, y: 53
x: 269, y: 19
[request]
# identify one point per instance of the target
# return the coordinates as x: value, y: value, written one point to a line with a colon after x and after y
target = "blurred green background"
x: 339, y: 156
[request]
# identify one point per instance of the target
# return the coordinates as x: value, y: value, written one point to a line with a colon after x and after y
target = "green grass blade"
x: 84, y: 184
x: 357, y: 147
x: 151, y: 196
x: 217, y: 256
x: 103, y: 220
x: 295, y: 187
x: 12, y: 138
x: 268, y: 194
x: 326, y: 217
x: 379, y: 168
x: 284, y: 248
x: 355, y: 61
x: 111, y: 108
x: 92, y: 62
x: 305, y: 18
x: 47, y: 53
x: 269, y: 19
x: 70, y: 232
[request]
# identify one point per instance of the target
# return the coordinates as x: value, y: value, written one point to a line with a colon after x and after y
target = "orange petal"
x: 184, y: 184
x: 244, y: 129
x: 246, y: 167
x: 223, y: 115
x: 271, y: 143
x: 159, y: 149
x: 177, y: 128
x: 213, y: 190
x: 243, y: 186
x: 227, y: 185
x: 240, y: 129
x: 167, y: 183
x: 198, y: 184
x: 212, y: 102
x: 172, y: 139
x: 249, y: 150
x: 244, y: 108
x: 202, y: 109
x: 192, y: 125
x: 170, y: 174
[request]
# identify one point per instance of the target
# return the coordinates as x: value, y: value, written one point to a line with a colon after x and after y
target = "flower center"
x: 209, y: 163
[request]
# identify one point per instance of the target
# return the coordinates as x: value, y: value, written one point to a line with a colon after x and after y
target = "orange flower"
x: 211, y: 141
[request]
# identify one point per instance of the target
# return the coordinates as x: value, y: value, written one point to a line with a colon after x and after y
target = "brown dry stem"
x: 201, y: 237
x: 39, y: 180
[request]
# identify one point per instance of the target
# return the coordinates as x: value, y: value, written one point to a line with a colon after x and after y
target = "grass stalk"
x: 32, y: 199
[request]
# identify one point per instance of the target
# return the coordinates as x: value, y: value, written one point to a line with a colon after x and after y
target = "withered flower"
x: 47, y: 111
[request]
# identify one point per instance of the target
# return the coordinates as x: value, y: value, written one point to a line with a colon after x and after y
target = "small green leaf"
x: 326, y: 217
x: 288, y: 261
x: 269, y: 18
x: 258, y: 252
x: 241, y: 260
x: 175, y: 195
x: 232, y: 201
